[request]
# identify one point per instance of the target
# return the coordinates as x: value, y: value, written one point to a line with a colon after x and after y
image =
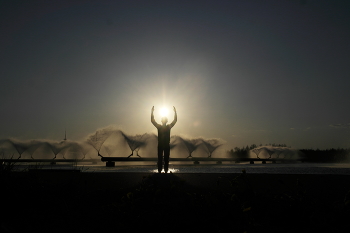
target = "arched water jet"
x: 173, y: 142
x: 137, y: 152
x: 270, y: 152
x: 99, y: 137
x: 57, y: 147
x: 278, y: 153
x: 109, y: 152
x: 85, y: 148
x: 75, y: 150
x: 28, y: 147
x: 257, y: 151
x: 211, y: 145
x: 135, y: 142
x: 288, y: 153
x: 35, y: 145
x: 20, y: 147
x: 191, y: 144
x: 6, y: 145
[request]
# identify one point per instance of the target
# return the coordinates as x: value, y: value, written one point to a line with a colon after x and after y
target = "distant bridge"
x: 110, y: 161
x: 52, y: 161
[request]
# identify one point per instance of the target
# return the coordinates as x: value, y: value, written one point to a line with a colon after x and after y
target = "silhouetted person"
x: 163, y: 140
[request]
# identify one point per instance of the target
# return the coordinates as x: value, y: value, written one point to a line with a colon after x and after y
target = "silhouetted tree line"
x: 238, y: 152
x: 241, y: 152
x: 326, y: 156
x: 244, y: 151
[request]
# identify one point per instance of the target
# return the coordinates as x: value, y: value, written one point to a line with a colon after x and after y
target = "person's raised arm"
x: 152, y: 118
x: 175, y: 118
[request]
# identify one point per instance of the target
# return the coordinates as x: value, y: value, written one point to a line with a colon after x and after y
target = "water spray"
x: 211, y: 145
x: 270, y: 152
x: 20, y: 147
x: 96, y: 140
x: 191, y: 144
x: 57, y: 147
x: 257, y: 151
x: 287, y: 152
x: 135, y: 142
x: 109, y: 152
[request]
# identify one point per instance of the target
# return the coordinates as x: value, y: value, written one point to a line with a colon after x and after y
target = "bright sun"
x: 164, y: 112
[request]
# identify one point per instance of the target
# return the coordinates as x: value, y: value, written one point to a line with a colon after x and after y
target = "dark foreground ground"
x: 138, y: 202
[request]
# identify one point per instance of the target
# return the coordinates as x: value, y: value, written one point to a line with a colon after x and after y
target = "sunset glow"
x: 164, y: 112
x: 246, y: 72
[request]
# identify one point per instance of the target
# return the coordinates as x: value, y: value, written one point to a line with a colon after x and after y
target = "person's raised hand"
x: 152, y: 108
x: 174, y: 108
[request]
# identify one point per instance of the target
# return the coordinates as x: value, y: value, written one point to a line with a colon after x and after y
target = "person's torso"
x: 164, y: 134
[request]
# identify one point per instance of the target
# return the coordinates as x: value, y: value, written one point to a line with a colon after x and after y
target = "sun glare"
x: 164, y: 112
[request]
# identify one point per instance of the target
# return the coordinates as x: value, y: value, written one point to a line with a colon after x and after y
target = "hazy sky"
x: 245, y: 71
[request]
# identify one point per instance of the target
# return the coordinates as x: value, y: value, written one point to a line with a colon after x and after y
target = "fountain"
x: 42, y: 149
x: 29, y: 147
x: 135, y: 142
x: 191, y: 144
x: 257, y: 151
x: 270, y: 152
x: 288, y: 153
x: 99, y: 137
x: 212, y: 145
x: 57, y: 147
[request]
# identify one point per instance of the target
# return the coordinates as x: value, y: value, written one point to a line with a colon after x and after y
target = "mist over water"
x: 111, y: 141
x: 97, y: 139
x: 212, y: 145
x: 135, y: 142
x: 190, y: 144
x: 108, y: 141
x: 275, y: 152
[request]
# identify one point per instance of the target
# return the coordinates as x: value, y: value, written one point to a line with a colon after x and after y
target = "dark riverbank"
x: 96, y: 202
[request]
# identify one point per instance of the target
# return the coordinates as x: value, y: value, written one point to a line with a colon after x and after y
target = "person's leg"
x: 166, y: 158
x: 160, y: 159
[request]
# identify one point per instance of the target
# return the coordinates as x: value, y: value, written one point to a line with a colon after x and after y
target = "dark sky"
x: 245, y: 71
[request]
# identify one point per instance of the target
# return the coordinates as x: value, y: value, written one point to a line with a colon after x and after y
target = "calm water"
x: 299, y: 168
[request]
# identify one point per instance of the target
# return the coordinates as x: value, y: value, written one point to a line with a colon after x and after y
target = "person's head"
x: 164, y: 120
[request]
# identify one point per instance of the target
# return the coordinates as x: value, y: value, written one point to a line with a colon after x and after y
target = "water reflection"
x: 170, y: 170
